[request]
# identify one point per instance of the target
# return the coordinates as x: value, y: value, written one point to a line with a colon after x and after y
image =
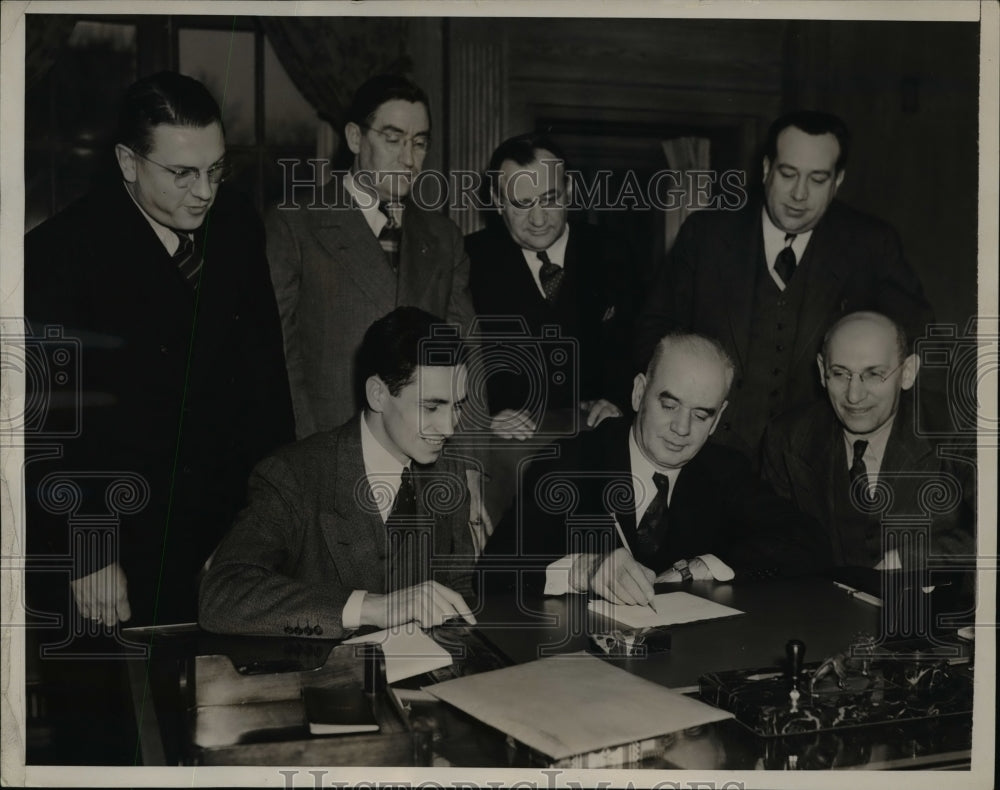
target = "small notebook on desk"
x: 666, y: 609
x: 338, y: 710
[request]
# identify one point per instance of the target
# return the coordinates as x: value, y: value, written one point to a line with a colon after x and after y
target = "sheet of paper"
x: 666, y: 609
x: 573, y: 704
x: 408, y: 651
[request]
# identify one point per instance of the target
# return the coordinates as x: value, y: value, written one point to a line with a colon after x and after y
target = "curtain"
x: 684, y: 154
x: 328, y: 58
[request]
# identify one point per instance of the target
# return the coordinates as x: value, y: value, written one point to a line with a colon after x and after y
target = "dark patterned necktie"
x: 784, y: 264
x: 404, y: 508
x: 391, y: 234
x: 188, y: 259
x: 859, y: 472
x: 551, y: 275
x: 653, y: 524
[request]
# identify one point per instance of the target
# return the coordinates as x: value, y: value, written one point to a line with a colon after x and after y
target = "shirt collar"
x: 774, y: 239
x: 642, y: 472
x: 556, y: 251
x: 378, y: 460
x: 367, y: 204
x: 169, y: 238
x: 877, y: 441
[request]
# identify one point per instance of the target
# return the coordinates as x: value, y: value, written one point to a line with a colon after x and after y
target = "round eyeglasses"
x: 872, y: 377
x: 186, y: 176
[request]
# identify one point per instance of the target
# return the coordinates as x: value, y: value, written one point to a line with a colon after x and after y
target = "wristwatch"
x: 681, y: 566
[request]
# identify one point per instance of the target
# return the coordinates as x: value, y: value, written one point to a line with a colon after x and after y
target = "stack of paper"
x: 573, y: 704
x: 666, y: 609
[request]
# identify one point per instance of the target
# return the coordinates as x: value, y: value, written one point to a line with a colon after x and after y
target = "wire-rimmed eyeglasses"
x: 842, y: 377
x: 395, y: 138
x: 186, y: 176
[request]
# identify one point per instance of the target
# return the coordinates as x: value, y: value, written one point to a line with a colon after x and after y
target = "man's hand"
x: 429, y: 603
x: 513, y: 424
x: 620, y: 579
x: 103, y: 595
x: 479, y: 520
x: 599, y: 410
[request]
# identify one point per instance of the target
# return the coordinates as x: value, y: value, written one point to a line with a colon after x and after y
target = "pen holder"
x: 374, y: 669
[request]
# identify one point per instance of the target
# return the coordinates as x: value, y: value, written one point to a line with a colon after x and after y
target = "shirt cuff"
x: 557, y: 575
x: 351, y: 616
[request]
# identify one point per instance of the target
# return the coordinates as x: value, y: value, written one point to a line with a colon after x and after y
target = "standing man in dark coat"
x: 161, y: 276
x: 769, y: 279
x: 548, y: 272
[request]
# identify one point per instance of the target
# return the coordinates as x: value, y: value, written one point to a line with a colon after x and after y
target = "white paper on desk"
x: 666, y: 609
x: 573, y: 704
x: 408, y: 651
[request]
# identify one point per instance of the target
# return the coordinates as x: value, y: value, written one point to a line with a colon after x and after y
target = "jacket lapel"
x: 352, y: 527
x: 419, y: 257
x: 345, y: 235
x: 739, y: 282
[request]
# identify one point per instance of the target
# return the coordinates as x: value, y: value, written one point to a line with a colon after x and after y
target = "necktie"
x: 188, y: 260
x: 551, y: 275
x: 391, y: 233
x: 785, y: 263
x: 407, y: 544
x: 650, y: 531
x: 404, y: 508
x: 859, y: 471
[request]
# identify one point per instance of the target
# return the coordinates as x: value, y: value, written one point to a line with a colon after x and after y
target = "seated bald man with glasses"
x: 857, y: 464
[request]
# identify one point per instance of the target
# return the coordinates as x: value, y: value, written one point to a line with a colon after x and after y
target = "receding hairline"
x: 702, y: 346
x: 872, y: 317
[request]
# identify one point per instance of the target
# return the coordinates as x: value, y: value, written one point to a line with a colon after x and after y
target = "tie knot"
x: 661, y: 481
x: 860, y: 445
x: 184, y: 245
x: 543, y: 256
x: 392, y: 212
x: 790, y: 237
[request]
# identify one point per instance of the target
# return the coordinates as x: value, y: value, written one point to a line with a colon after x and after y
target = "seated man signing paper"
x: 630, y: 503
x: 363, y: 525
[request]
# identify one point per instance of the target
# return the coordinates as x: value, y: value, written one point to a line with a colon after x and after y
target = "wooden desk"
x: 812, y: 610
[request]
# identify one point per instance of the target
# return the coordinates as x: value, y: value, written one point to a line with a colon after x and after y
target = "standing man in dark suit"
x: 155, y: 289
x: 632, y: 503
x: 767, y: 280
x: 549, y: 273
x: 850, y: 465
x: 338, y: 268
x: 344, y: 528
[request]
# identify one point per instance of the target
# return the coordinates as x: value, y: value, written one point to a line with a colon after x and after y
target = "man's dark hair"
x: 164, y: 98
x: 397, y: 343
x: 377, y: 91
x: 810, y: 122
x: 522, y: 150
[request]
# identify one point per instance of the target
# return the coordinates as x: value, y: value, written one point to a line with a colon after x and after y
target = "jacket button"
x: 236, y: 316
x: 318, y: 630
x: 297, y: 630
x: 164, y: 349
x: 308, y: 631
x: 288, y: 629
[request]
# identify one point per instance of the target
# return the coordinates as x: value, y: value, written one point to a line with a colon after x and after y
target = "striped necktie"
x: 391, y: 233
x: 188, y: 259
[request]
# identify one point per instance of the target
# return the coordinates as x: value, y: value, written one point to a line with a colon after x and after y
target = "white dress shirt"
x: 384, y: 473
x: 774, y: 242
x: 556, y: 253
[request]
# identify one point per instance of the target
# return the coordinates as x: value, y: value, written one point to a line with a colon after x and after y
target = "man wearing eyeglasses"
x: 160, y: 274
x: 532, y: 263
x: 862, y: 463
x: 371, y: 247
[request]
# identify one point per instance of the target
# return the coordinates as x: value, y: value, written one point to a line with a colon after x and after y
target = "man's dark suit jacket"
x: 593, y: 307
x: 181, y: 392
x: 853, y: 262
x: 718, y: 506
x: 801, y: 453
x: 332, y: 282
x: 312, y: 534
